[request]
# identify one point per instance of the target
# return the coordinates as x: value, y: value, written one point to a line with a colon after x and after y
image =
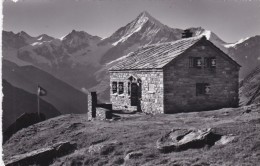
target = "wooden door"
x: 134, y: 94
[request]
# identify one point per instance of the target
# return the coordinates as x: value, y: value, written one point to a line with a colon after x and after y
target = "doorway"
x: 134, y: 94
x: 135, y: 91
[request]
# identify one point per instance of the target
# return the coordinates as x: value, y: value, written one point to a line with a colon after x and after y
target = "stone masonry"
x: 96, y: 110
x: 151, y: 101
x: 92, y: 104
x: 180, y: 82
x: 103, y: 113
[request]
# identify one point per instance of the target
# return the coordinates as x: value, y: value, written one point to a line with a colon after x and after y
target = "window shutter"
x: 129, y: 88
x: 190, y: 62
x: 206, y: 62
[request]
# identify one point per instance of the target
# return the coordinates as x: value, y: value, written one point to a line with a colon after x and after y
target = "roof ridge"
x: 176, y: 41
x: 156, y: 55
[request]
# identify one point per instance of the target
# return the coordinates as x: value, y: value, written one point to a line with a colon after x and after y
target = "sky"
x: 231, y: 20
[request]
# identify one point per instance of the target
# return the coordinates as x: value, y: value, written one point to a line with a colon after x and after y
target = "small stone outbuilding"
x: 190, y: 74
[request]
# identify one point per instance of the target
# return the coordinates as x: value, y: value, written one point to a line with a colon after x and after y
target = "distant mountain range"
x: 81, y: 59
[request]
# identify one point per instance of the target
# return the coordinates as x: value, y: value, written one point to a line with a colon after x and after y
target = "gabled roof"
x: 156, y: 56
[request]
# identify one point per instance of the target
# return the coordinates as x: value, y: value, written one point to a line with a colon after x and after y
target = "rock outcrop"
x: 183, y: 139
x: 44, y: 156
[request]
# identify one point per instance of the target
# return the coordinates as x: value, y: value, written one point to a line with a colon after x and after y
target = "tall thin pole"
x: 38, y: 100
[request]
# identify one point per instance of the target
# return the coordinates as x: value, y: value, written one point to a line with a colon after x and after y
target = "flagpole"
x: 38, y: 100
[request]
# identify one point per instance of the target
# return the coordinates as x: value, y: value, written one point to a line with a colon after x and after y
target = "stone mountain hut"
x: 190, y: 74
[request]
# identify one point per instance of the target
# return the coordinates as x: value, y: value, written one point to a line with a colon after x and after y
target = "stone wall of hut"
x: 180, y: 80
x: 151, y: 101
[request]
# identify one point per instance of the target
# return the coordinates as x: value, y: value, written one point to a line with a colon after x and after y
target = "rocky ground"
x: 133, y: 139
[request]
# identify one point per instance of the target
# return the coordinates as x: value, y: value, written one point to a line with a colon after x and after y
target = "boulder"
x: 43, y: 156
x: 93, y: 149
x: 183, y: 139
x: 133, y: 155
x: 63, y: 148
x: 225, y: 140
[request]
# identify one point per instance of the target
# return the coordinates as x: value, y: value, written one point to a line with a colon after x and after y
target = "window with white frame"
x: 210, y: 62
x: 195, y: 62
x: 202, y: 89
x: 114, y: 87
x: 120, y: 88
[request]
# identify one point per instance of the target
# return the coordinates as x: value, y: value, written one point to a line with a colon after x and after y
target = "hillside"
x: 249, y: 90
x: 247, y: 53
x: 132, y: 139
x: 61, y: 95
x: 17, y: 101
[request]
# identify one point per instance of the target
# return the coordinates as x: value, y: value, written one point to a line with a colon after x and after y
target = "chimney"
x: 186, y: 33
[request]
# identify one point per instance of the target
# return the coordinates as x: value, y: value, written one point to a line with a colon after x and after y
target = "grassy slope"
x: 140, y: 132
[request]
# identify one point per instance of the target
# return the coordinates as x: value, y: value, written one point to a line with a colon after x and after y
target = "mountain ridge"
x: 81, y: 59
x: 64, y: 97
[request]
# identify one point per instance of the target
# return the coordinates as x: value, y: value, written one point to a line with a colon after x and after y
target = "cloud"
x: 15, y: 1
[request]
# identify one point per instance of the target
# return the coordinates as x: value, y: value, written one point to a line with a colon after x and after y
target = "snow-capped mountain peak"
x: 144, y: 23
x: 79, y: 35
x: 44, y: 37
x: 134, y: 26
x: 145, y: 15
x: 74, y: 34
x: 141, y: 19
x: 236, y: 43
x: 61, y: 38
